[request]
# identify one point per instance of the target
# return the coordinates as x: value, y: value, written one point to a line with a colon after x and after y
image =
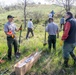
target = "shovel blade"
x: 45, y: 43
x: 18, y: 54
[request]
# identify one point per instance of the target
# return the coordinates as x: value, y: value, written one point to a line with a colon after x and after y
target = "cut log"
x: 23, y: 66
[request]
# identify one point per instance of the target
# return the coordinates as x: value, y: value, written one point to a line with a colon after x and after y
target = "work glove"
x: 61, y: 42
x: 20, y: 28
x: 10, y: 34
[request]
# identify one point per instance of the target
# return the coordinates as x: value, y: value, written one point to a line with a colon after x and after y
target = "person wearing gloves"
x: 69, y: 38
x: 9, y: 29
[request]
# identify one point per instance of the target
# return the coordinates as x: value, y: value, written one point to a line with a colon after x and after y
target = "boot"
x: 66, y: 62
x: 73, y: 56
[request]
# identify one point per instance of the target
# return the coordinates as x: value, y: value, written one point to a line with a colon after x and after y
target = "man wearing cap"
x: 9, y: 29
x: 52, y: 30
x: 29, y: 28
x: 69, y: 38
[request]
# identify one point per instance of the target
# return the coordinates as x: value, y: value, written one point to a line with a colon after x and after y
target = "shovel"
x: 45, y: 42
x: 18, y: 53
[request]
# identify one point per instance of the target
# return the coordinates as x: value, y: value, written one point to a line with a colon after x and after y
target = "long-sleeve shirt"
x: 30, y: 24
x: 67, y: 27
x: 52, y: 28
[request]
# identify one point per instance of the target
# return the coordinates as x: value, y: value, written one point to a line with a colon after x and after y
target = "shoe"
x: 66, y: 65
x: 66, y: 62
x: 73, y: 56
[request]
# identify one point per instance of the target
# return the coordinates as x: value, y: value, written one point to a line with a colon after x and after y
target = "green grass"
x: 48, y: 64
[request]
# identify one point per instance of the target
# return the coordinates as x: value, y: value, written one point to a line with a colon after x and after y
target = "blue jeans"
x: 67, y: 49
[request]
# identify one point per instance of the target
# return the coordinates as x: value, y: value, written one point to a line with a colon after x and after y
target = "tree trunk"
x: 25, y: 14
x: 67, y: 7
x: 66, y: 3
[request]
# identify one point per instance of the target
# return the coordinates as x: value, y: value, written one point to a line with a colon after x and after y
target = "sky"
x: 9, y: 2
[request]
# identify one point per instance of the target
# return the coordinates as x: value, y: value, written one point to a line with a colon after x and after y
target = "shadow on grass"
x: 50, y: 64
x: 60, y: 70
x: 40, y: 68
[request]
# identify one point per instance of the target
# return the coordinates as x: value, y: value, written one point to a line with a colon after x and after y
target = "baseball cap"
x: 10, y: 16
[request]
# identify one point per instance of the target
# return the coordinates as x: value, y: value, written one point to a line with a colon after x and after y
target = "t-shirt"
x: 30, y: 24
x: 10, y: 26
x: 52, y: 28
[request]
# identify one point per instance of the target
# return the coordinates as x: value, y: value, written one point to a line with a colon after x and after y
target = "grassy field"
x: 49, y: 63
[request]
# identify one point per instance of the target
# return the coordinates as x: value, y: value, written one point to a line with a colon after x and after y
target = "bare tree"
x: 25, y: 2
x: 24, y: 14
x: 67, y: 4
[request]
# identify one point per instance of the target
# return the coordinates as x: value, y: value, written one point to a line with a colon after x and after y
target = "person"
x: 51, y: 14
x: 69, y: 38
x: 52, y: 30
x: 9, y: 29
x: 29, y: 28
x: 62, y: 21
